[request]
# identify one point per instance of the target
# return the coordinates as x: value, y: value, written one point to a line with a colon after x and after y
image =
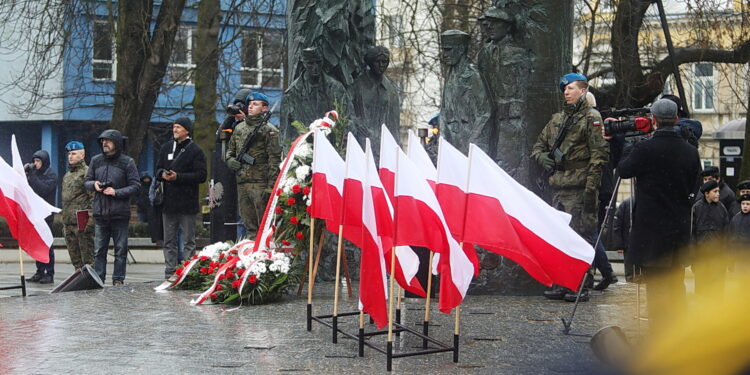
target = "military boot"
x: 557, y: 292
x: 35, y: 279
x: 571, y: 297
x: 605, y: 282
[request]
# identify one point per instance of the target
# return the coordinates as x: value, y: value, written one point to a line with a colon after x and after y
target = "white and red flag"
x: 420, y: 222
x: 327, y: 183
x: 451, y: 190
x: 387, y: 162
x: 505, y: 217
x: 24, y: 210
x: 421, y: 159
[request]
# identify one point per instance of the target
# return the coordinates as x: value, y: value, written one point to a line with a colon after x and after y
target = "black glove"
x: 547, y: 163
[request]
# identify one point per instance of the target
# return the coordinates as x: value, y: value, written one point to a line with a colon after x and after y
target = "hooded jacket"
x: 120, y: 171
x: 189, y: 162
x: 43, y: 180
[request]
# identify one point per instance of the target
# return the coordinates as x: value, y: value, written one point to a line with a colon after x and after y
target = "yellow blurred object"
x: 713, y: 335
x: 435, y: 131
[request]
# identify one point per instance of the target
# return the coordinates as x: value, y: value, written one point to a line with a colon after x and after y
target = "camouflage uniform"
x: 586, y: 152
x: 255, y: 181
x: 75, y: 197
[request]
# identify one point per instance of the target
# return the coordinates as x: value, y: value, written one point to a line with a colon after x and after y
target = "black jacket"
x: 739, y: 230
x: 665, y: 168
x: 709, y: 220
x: 43, y: 181
x: 119, y: 170
x: 189, y: 162
x: 621, y: 225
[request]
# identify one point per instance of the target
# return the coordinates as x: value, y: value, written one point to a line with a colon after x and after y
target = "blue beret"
x: 434, y: 120
x: 256, y: 96
x: 74, y: 145
x: 571, y: 77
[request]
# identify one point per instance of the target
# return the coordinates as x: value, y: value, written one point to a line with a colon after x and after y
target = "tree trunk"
x: 626, y: 59
x: 142, y: 59
x: 206, y: 74
x: 745, y: 166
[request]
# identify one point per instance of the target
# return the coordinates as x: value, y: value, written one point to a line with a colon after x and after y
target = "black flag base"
x: 83, y: 278
x: 22, y: 286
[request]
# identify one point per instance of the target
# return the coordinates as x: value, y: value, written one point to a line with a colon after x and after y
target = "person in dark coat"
x: 621, y: 236
x: 143, y: 203
x: 739, y: 226
x: 114, y: 177
x: 710, y: 220
x: 44, y: 183
x: 182, y: 168
x: 727, y: 198
x: 665, y: 167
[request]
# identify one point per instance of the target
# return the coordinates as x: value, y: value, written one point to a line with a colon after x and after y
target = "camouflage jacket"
x: 74, y: 195
x: 584, y: 148
x: 265, y: 149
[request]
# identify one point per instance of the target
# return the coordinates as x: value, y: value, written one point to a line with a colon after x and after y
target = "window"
x: 703, y: 87
x: 181, y: 63
x: 262, y: 59
x: 395, y: 30
x: 103, y: 62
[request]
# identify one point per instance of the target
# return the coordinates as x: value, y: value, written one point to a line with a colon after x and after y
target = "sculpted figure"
x: 465, y: 107
x: 376, y: 99
x: 505, y: 67
x: 311, y: 95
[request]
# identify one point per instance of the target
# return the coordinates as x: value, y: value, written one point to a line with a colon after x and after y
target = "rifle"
x: 242, y: 155
x: 555, y: 153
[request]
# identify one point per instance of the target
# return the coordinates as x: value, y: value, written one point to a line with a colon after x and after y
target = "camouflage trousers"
x: 80, y: 244
x: 571, y: 201
x: 252, y: 198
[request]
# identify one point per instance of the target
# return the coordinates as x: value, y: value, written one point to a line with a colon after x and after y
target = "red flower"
x: 229, y: 274
x: 294, y: 220
x: 221, y: 256
x: 296, y: 189
x: 195, y: 256
x: 213, y: 296
x: 178, y: 271
x: 300, y: 236
x: 306, y: 190
x: 285, y: 242
x: 213, y: 264
x: 252, y: 279
x: 204, y: 270
x: 278, y: 210
x: 236, y: 284
x: 240, y: 271
x: 308, y: 210
x: 278, y: 192
x: 185, y: 263
x: 219, y: 287
x: 229, y: 258
x: 204, y: 258
x: 291, y: 201
x: 211, y: 269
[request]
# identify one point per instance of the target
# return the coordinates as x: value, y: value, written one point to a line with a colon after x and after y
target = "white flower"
x: 258, y: 268
x: 308, y: 200
x: 302, y: 172
x: 284, y: 268
x: 304, y: 150
x: 212, y: 251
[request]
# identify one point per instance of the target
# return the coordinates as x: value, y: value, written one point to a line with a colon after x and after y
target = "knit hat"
x: 185, y: 123
x: 709, y: 185
x: 664, y: 108
x: 743, y: 185
x: 743, y: 197
x: 710, y: 171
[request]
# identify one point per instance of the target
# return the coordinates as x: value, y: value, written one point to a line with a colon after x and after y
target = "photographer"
x: 114, y: 177
x: 181, y: 169
x: 254, y: 154
x: 43, y: 182
x: 665, y: 168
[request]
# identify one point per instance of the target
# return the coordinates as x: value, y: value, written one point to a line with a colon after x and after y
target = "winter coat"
x: 119, y: 170
x: 621, y: 225
x: 665, y: 167
x: 739, y: 230
x: 143, y: 202
x: 709, y: 220
x: 43, y: 180
x: 189, y: 162
x: 75, y: 197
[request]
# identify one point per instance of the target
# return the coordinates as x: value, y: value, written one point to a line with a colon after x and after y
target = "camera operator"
x: 665, y: 168
x: 254, y: 154
x: 114, y: 177
x: 570, y: 149
x: 43, y: 182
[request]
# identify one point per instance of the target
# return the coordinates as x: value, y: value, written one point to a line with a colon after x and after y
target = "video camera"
x: 632, y: 122
x: 236, y: 107
x: 104, y: 185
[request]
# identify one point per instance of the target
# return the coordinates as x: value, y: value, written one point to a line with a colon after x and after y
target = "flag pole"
x: 336, y: 286
x: 361, y: 335
x: 426, y: 322
x: 398, y: 307
x: 310, y: 274
x: 389, y: 349
x: 456, y: 333
x: 317, y: 258
x: 20, y: 266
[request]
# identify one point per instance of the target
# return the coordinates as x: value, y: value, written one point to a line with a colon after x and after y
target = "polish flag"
x: 373, y: 281
x: 451, y: 190
x: 420, y: 222
x: 23, y: 209
x: 407, y: 261
x: 328, y: 183
x: 506, y: 218
x: 421, y: 159
x: 354, y: 176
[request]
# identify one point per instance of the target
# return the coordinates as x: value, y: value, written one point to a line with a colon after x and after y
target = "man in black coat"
x: 665, y: 168
x: 114, y: 177
x: 181, y: 168
x: 44, y: 183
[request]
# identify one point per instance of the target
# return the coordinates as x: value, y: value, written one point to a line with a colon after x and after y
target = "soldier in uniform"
x: 465, y: 107
x: 575, y: 171
x: 75, y: 198
x: 254, y: 154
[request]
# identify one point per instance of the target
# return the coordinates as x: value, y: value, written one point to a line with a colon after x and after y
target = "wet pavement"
x: 131, y: 329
